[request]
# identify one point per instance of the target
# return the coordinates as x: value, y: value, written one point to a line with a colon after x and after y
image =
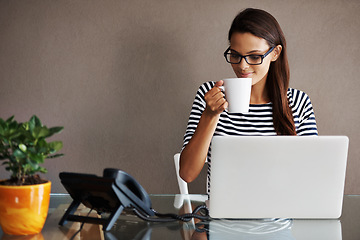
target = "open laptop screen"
x: 277, y: 176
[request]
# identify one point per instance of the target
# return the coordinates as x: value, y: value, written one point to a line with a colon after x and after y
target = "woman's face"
x: 248, y: 44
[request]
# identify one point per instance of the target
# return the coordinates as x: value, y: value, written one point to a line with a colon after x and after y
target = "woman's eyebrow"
x: 232, y: 50
x: 251, y: 52
x: 255, y: 51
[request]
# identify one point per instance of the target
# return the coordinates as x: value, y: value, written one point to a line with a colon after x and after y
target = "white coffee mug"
x: 237, y: 94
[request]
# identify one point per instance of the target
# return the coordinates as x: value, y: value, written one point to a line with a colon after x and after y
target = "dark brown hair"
x: 264, y: 25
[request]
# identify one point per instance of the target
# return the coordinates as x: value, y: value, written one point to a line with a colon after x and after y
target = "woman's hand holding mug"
x: 215, y: 101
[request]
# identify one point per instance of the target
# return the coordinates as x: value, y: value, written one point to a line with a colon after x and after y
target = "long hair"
x: 264, y: 25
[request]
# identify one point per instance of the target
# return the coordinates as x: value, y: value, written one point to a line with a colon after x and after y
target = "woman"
x: 258, y: 51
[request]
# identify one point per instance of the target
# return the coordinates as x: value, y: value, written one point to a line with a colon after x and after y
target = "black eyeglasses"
x: 234, y: 57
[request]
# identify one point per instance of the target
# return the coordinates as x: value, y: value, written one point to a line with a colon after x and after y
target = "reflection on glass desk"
x: 279, y: 229
x: 128, y: 226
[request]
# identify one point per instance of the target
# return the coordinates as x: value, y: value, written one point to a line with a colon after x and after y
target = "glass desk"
x: 128, y: 226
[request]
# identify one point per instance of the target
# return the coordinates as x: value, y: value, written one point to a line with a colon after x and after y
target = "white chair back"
x: 183, y: 187
x: 181, y: 199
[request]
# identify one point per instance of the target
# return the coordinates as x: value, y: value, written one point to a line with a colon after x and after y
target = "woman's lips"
x: 245, y: 75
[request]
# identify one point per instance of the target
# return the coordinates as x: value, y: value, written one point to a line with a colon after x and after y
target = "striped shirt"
x: 258, y: 121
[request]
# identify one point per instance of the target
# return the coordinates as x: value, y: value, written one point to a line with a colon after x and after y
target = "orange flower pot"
x: 23, y: 209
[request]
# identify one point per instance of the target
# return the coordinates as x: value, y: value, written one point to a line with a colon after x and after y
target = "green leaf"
x: 54, y: 130
x: 19, y: 154
x: 13, y: 126
x: 31, y: 150
x: 2, y: 127
x: 36, y: 158
x: 34, y: 122
x: 31, y: 166
x: 42, y: 170
x: 22, y: 147
x: 10, y: 119
x: 14, y: 135
x: 41, y: 147
x: 55, y: 155
x: 39, y: 132
x: 55, y: 146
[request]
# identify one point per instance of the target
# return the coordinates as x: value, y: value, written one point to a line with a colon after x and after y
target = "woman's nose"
x: 243, y: 64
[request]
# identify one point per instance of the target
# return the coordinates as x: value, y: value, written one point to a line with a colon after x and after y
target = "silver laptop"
x: 277, y: 176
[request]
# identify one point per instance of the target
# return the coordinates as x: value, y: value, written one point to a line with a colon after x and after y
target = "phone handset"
x: 136, y: 194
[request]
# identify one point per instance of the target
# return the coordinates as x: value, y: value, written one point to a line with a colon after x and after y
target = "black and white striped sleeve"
x: 197, y: 109
x: 304, y: 116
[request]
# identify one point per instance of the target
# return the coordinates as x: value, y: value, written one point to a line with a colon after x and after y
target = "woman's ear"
x: 276, y: 53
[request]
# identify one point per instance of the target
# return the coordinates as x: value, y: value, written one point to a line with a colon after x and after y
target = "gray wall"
x: 121, y: 75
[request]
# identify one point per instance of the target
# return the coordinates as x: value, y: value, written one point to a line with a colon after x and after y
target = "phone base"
x: 107, y: 223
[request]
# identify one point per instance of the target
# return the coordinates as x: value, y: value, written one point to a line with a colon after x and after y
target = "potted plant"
x: 24, y: 197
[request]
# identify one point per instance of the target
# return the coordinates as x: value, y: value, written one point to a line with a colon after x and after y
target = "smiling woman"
x: 258, y: 51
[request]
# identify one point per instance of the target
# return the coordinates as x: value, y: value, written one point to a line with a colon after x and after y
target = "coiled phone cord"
x: 170, y: 217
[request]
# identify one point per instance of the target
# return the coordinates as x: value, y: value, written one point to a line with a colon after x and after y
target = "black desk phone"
x: 111, y: 193
x: 108, y: 194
